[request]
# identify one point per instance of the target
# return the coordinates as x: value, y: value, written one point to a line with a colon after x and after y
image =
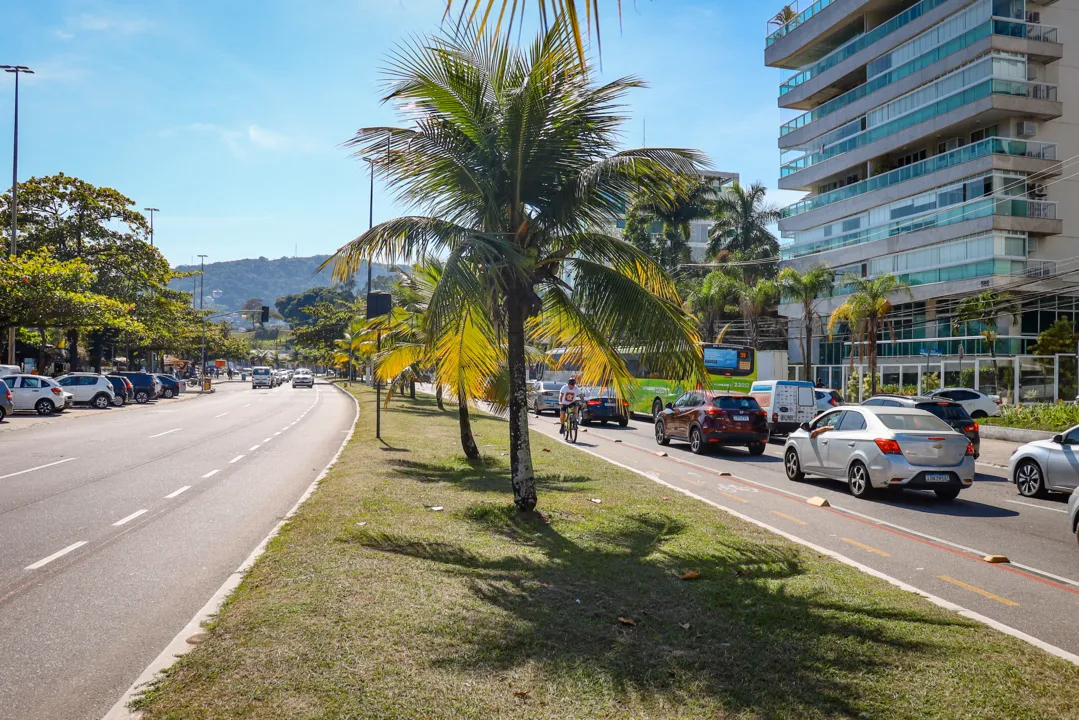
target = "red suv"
x: 705, y: 417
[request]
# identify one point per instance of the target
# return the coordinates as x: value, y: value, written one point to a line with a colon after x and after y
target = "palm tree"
x: 754, y: 300
x: 715, y: 298
x: 259, y: 355
x: 564, y: 10
x: 985, y: 309
x: 807, y: 289
x: 512, y: 154
x: 865, y: 312
x: 784, y: 16
x: 674, y: 211
x: 742, y: 220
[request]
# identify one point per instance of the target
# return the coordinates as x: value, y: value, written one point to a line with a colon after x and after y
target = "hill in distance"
x: 241, y: 280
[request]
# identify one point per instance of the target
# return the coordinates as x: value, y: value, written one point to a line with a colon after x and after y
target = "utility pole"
x: 152, y: 211
x: 202, y: 295
x: 16, y: 70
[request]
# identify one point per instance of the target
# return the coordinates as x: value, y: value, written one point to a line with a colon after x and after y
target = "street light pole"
x: 370, y: 224
x: 152, y: 211
x: 16, y: 70
x: 202, y: 296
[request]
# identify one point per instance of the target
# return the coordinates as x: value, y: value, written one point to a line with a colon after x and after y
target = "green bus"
x: 732, y: 367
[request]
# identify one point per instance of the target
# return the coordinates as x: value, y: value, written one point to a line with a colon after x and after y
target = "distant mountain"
x: 232, y: 283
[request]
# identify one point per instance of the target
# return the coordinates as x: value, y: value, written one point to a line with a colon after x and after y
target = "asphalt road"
x: 117, y: 529
x: 937, y: 547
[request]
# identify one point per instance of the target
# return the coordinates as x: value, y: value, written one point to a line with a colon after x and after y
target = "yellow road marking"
x: 788, y: 517
x: 978, y: 590
x: 732, y: 497
x: 863, y: 546
x: 690, y: 480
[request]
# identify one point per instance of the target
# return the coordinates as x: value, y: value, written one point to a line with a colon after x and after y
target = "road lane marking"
x: 220, y: 416
x: 788, y: 517
x: 45, y: 561
x: 267, y: 440
x: 984, y: 593
x: 863, y: 546
x: 211, y: 474
x: 129, y: 518
x: 1040, y: 507
x: 166, y: 433
x: 732, y: 497
x: 247, y: 405
x: 174, y: 493
x: 236, y: 459
x: 39, y: 467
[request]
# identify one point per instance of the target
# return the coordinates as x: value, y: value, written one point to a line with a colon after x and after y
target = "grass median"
x: 375, y: 603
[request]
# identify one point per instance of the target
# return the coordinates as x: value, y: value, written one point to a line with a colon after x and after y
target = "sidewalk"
x: 24, y: 420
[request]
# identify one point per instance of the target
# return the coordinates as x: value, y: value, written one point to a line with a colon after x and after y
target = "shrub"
x: 1039, y: 416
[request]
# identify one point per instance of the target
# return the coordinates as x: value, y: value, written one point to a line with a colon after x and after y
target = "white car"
x: 1046, y: 466
x: 38, y: 394
x: 89, y: 388
x: 978, y: 405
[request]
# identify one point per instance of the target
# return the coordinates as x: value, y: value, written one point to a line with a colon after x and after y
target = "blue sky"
x: 228, y: 115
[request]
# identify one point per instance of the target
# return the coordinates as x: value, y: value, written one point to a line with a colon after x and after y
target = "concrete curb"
x: 179, y: 644
x: 1018, y: 435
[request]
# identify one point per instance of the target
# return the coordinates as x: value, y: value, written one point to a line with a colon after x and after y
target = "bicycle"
x: 571, y: 424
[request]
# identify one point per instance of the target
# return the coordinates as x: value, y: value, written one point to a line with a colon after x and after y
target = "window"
x: 1072, y: 438
x: 736, y: 403
x: 911, y: 158
x: 913, y: 422
x: 683, y: 401
x: 945, y: 411
x: 806, y: 397
x: 963, y: 395
x: 851, y: 421
x: 30, y: 382
x: 65, y: 382
x: 828, y: 419
x: 874, y: 402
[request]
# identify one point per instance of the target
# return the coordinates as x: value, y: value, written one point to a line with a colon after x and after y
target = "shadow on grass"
x: 738, y: 637
x: 486, y: 474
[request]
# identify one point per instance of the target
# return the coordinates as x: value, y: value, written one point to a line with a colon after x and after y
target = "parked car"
x: 6, y: 406
x: 125, y: 391
x: 303, y: 378
x: 38, y: 394
x: 1046, y: 465
x: 10, y: 370
x: 170, y: 386
x: 262, y: 376
x: 89, y: 388
x: 146, y: 387
x: 543, y: 395
x: 978, y: 404
x: 706, y: 418
x: 882, y: 447
x: 602, y: 405
x: 789, y: 403
x: 1073, y: 511
x: 947, y: 410
x: 827, y: 398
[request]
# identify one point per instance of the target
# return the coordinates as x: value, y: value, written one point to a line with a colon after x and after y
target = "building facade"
x: 934, y: 140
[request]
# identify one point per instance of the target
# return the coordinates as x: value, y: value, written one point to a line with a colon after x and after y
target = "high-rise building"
x: 933, y: 139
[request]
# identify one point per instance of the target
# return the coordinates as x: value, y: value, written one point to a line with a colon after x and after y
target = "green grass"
x: 370, y: 605
x: 1041, y: 416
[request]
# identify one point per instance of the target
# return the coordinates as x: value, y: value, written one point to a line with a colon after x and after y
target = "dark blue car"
x: 123, y: 388
x: 602, y: 405
x: 170, y: 386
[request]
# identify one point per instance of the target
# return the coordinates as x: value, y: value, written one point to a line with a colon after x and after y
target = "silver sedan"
x: 1073, y: 511
x: 1046, y: 465
x: 882, y: 447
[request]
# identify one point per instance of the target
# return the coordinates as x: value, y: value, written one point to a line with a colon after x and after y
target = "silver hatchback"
x: 1046, y: 465
x: 882, y: 447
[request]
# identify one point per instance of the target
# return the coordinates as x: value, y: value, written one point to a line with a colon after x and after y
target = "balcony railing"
x: 1040, y: 268
x: 982, y: 148
x: 797, y: 20
x: 1018, y: 28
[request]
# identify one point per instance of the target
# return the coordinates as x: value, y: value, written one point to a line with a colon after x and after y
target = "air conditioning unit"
x: 1026, y: 128
x: 1032, y: 72
x: 1038, y: 191
x: 1034, y: 17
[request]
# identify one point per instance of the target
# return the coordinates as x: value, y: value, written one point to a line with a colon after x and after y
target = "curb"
x: 1019, y: 435
x: 179, y: 645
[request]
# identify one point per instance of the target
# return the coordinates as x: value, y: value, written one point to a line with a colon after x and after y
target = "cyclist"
x: 567, y: 396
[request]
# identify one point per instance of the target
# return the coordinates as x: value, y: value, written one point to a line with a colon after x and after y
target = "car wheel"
x: 142, y: 397
x: 696, y: 441
x: 793, y: 466
x: 756, y: 448
x: 45, y: 407
x: 168, y: 393
x: 661, y: 433
x: 657, y: 408
x: 1029, y: 480
x: 623, y: 422
x: 118, y: 401
x: 858, y: 480
x: 947, y: 494
x: 979, y: 415
x: 101, y: 402
x: 3, y: 414
x: 535, y: 409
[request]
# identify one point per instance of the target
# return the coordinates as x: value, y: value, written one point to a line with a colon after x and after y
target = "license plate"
x: 938, y: 477
x: 741, y: 418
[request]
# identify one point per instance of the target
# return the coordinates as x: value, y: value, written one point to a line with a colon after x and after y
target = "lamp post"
x: 202, y: 296
x: 152, y: 211
x: 370, y: 224
x: 15, y: 70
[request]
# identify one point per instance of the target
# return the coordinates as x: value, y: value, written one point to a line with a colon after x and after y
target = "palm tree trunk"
x: 412, y: 388
x: 522, y: 475
x: 468, y: 442
x: 73, y: 348
x: 873, y: 358
x: 41, y: 351
x: 438, y: 396
x: 807, y: 349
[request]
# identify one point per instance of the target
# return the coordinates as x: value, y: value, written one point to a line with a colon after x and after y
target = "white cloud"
x: 267, y: 139
x: 247, y: 141
x: 102, y: 23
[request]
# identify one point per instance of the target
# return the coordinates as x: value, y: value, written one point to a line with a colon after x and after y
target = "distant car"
x: 262, y: 377
x: 789, y: 403
x: 949, y: 411
x: 89, y: 388
x: 303, y: 378
x: 38, y: 394
x: 10, y: 370
x: 882, y: 447
x: 146, y: 387
x: 170, y: 386
x: 827, y: 398
x: 602, y: 405
x: 543, y: 396
x: 1073, y: 511
x: 6, y: 406
x: 125, y: 391
x: 1046, y: 466
x: 978, y: 404
x: 705, y: 418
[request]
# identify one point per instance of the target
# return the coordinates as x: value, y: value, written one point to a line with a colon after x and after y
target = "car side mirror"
x: 1058, y: 439
x: 669, y: 406
x: 804, y: 426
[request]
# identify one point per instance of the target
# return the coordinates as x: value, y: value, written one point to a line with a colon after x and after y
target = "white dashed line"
x: 253, y: 448
x: 45, y: 561
x: 247, y: 405
x: 129, y: 518
x: 267, y: 440
x: 1040, y: 507
x: 220, y: 416
x: 236, y: 459
x: 166, y: 433
x: 278, y: 433
x: 174, y: 493
x: 39, y: 467
x: 210, y: 474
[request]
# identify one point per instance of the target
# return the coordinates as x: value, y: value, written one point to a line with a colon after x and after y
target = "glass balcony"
x: 1030, y: 31
x: 1038, y: 91
x: 982, y: 148
x: 798, y: 20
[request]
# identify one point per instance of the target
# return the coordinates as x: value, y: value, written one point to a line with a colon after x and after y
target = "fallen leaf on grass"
x: 691, y: 575
x: 684, y: 626
x: 436, y: 508
x: 666, y: 499
x: 523, y: 694
x: 628, y: 621
x: 596, y: 500
x: 743, y: 571
x: 361, y: 524
x: 546, y: 450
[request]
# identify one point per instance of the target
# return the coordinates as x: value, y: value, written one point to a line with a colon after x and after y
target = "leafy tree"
x: 716, y: 298
x: 807, y: 289
x: 328, y: 323
x: 661, y: 224
x: 742, y: 220
x: 985, y: 309
x: 292, y: 308
x: 549, y: 10
x: 512, y: 155
x: 1060, y: 337
x: 865, y: 312
x: 754, y: 300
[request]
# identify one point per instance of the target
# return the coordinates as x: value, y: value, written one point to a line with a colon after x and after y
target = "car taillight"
x: 57, y: 391
x: 714, y: 412
x: 775, y: 417
x: 888, y: 447
x: 9, y: 395
x: 595, y: 402
x: 970, y: 449
x: 831, y: 401
x: 625, y: 403
x: 971, y: 428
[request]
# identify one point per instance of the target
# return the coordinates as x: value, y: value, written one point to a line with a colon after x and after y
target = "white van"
x: 10, y: 370
x: 262, y: 376
x: 789, y: 403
